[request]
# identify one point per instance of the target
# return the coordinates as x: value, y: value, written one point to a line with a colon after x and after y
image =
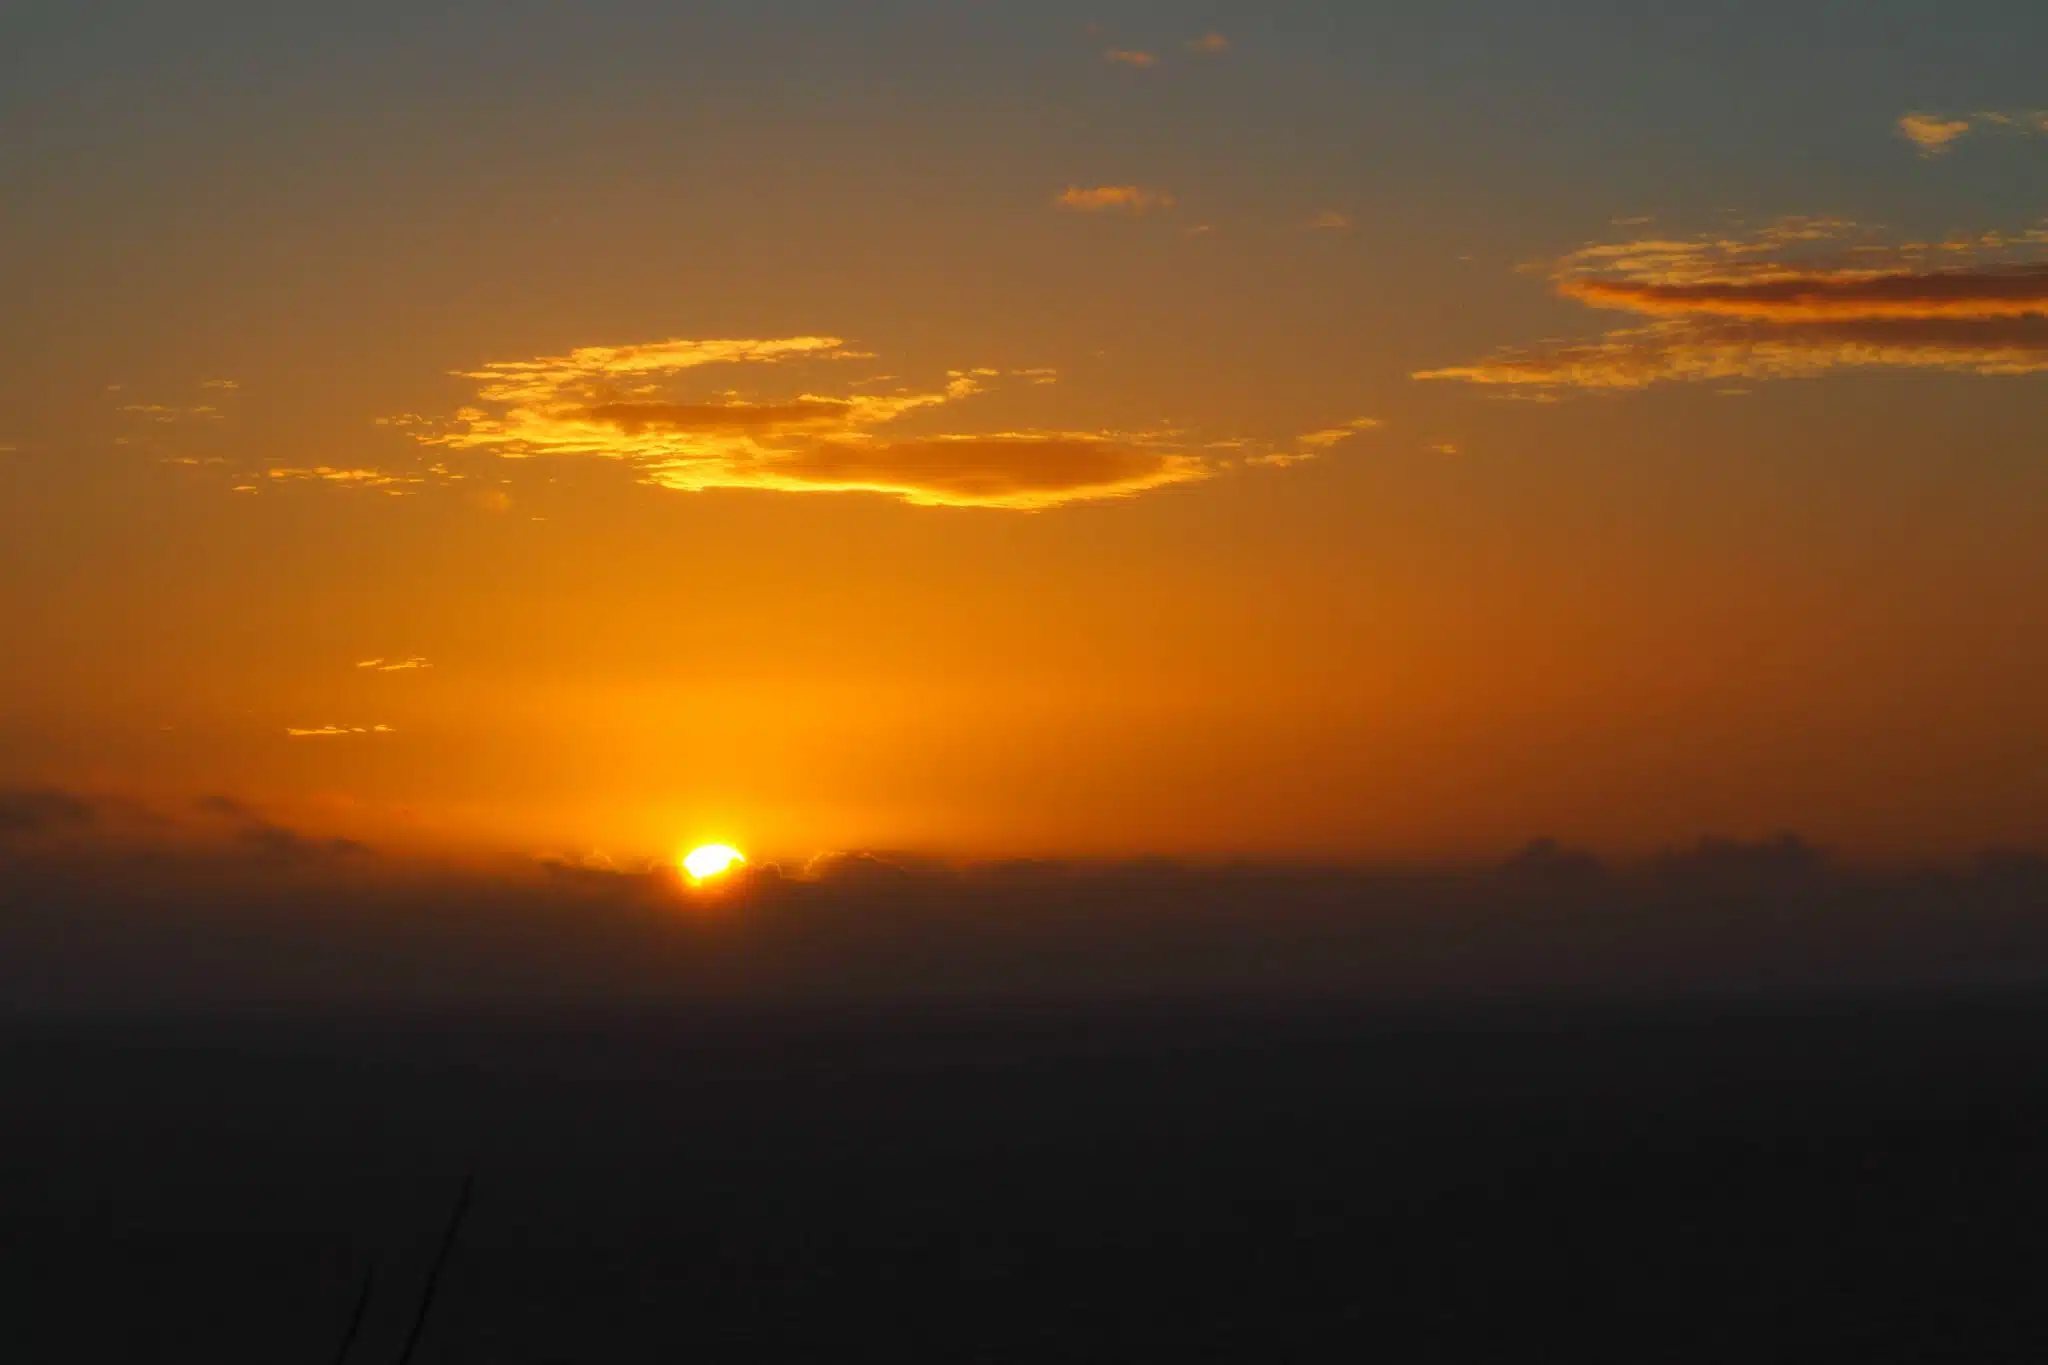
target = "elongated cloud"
x: 1128, y: 57
x: 407, y: 665
x: 1209, y: 44
x: 635, y: 404
x: 1113, y: 199
x: 1797, y: 300
x: 337, y: 731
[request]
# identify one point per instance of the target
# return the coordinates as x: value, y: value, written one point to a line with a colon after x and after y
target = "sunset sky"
x: 1216, y: 430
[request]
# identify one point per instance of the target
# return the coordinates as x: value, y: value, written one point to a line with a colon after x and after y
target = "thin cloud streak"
x: 1113, y: 199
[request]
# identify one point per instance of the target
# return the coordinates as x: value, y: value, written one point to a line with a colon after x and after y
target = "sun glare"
x: 711, y: 860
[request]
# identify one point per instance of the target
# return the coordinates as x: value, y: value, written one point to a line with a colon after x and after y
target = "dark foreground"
x: 1859, y: 1181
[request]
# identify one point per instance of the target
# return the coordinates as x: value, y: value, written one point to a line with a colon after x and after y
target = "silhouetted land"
x: 1853, y: 1179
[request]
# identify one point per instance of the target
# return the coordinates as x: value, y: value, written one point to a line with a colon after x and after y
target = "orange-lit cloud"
x: 626, y: 403
x: 1127, y: 57
x: 1931, y: 133
x: 1309, y: 445
x: 380, y: 479
x: 1829, y: 295
x: 1329, y: 436
x: 1795, y: 300
x: 395, y: 665
x: 336, y: 731
x: 1209, y: 44
x: 168, y: 415
x: 1330, y: 220
x: 1934, y: 134
x: 1113, y: 199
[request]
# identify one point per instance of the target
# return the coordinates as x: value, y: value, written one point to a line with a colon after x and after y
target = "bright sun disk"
x: 711, y: 860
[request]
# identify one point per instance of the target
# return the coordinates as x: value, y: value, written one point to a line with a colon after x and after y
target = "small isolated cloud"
x: 1210, y: 44
x: 337, y: 731
x: 638, y: 405
x: 1934, y: 134
x: 1445, y: 448
x: 1112, y: 199
x: 225, y: 385
x: 1330, y: 220
x: 405, y: 665
x: 1128, y: 57
x: 1931, y: 133
x: 1799, y: 299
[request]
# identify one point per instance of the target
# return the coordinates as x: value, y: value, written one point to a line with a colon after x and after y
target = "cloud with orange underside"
x: 645, y: 406
x: 1796, y: 300
x: 1112, y: 199
x: 1121, y: 56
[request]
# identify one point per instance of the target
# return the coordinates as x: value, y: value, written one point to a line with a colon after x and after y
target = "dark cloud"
x: 268, y: 914
x: 33, y: 810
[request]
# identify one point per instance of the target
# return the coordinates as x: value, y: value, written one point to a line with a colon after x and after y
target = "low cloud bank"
x: 259, y: 915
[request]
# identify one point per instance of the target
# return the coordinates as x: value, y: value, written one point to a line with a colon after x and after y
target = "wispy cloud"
x: 1312, y: 444
x: 1210, y: 44
x: 337, y: 731
x: 1113, y: 199
x: 635, y: 404
x: 380, y: 479
x: 1330, y: 220
x: 1123, y: 56
x: 1934, y: 134
x: 1795, y: 300
x: 1329, y: 436
x: 405, y: 665
x: 169, y: 415
x: 225, y: 385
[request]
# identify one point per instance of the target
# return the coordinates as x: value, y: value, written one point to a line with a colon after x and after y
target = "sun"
x: 712, y: 860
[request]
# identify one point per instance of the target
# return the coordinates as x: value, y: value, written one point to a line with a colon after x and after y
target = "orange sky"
x: 1005, y: 445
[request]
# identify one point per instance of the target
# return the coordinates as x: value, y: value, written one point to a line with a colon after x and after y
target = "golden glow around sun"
x: 711, y: 860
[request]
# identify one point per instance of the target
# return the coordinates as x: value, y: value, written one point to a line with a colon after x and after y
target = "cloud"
x: 166, y: 415
x: 1329, y: 436
x: 35, y: 809
x: 353, y: 478
x: 334, y: 731
x: 1210, y: 44
x: 394, y: 665
x: 267, y: 841
x: 1931, y: 133
x: 1799, y: 299
x: 632, y: 404
x: 1308, y: 446
x: 236, y: 907
x: 226, y: 385
x: 1113, y: 199
x: 1832, y: 295
x: 1127, y: 57
x: 1934, y: 134
x: 1330, y: 220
